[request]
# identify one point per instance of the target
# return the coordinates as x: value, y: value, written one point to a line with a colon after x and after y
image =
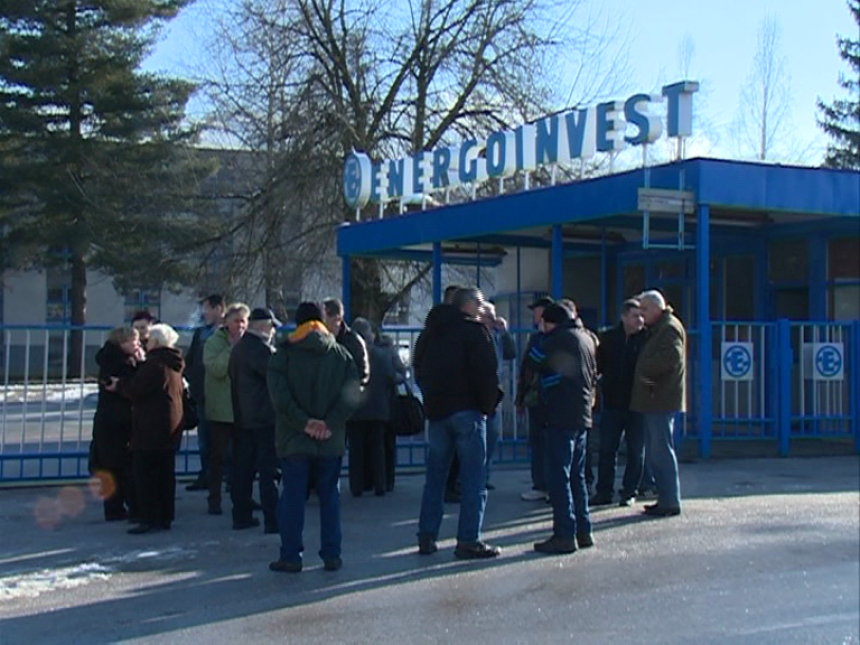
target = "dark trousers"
x: 220, y: 436
x: 390, y: 456
x: 613, y: 424
x: 538, y: 457
x: 203, y: 444
x: 267, y: 469
x: 122, y: 500
x: 366, y: 450
x: 244, y: 467
x: 155, y: 483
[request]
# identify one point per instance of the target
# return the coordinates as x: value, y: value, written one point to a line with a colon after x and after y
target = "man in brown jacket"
x: 659, y: 394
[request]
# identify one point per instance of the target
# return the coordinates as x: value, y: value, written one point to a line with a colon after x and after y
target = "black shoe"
x: 215, y: 509
x: 556, y: 546
x: 140, y: 529
x: 247, y: 524
x: 285, y: 566
x: 475, y: 551
x: 601, y: 499
x: 427, y: 545
x: 584, y: 540
x: 627, y: 500
x: 332, y: 565
x: 655, y: 510
x: 270, y: 529
x: 198, y: 484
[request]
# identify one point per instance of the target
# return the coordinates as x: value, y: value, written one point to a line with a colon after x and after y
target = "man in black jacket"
x: 455, y: 367
x: 333, y: 312
x: 213, y: 315
x: 566, y: 362
x: 254, y: 420
x: 616, y: 362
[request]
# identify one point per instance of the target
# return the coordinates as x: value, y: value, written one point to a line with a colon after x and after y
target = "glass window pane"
x: 788, y: 260
x: 791, y: 303
x: 740, y: 288
x: 843, y: 258
x: 845, y: 302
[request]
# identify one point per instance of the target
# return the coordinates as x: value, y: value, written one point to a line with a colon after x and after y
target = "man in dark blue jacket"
x: 455, y: 367
x: 566, y: 362
x: 616, y: 363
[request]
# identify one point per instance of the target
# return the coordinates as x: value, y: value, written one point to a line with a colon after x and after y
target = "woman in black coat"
x: 111, y: 451
x: 155, y: 392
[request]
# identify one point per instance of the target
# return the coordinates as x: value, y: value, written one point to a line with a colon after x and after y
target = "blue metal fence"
x: 802, y: 381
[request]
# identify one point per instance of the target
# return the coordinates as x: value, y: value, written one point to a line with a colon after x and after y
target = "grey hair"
x: 462, y: 296
x: 363, y: 328
x: 162, y: 335
x: 653, y: 296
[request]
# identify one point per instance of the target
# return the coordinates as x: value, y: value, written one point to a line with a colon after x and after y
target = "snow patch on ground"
x: 52, y: 393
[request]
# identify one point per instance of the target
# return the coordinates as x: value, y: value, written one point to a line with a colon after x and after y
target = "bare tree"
x: 764, y: 110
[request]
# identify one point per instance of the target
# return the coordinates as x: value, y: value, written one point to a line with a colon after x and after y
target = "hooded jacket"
x: 311, y: 376
x: 455, y: 364
x: 156, y: 398
x: 112, y: 421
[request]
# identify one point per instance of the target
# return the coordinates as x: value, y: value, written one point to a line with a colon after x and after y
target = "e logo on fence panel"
x: 827, y: 362
x: 737, y: 361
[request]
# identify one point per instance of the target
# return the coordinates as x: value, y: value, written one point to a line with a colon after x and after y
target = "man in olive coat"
x: 659, y: 394
x: 314, y: 386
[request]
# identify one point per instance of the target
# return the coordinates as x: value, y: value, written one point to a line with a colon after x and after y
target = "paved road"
x: 767, y: 551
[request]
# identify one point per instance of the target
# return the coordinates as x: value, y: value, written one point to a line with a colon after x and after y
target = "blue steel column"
x: 346, y: 288
x: 557, y: 261
x: 854, y: 375
x: 437, y: 273
x: 478, y: 277
x: 703, y: 321
x: 604, y: 278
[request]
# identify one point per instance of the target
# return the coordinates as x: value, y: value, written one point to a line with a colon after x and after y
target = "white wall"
x: 24, y: 298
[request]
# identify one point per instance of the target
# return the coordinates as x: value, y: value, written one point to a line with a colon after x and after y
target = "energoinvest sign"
x: 556, y: 139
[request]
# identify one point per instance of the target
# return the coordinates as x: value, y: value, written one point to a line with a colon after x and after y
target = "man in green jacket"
x: 314, y: 385
x: 659, y: 393
x: 217, y: 396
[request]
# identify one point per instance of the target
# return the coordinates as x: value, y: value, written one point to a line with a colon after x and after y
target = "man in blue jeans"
x: 455, y: 367
x: 659, y: 393
x: 566, y: 362
x: 314, y: 386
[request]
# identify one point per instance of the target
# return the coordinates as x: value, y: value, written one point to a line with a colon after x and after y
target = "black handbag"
x: 190, y: 415
x: 407, y: 412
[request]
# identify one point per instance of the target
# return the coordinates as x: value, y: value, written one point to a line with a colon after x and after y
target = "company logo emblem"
x: 828, y: 361
x: 737, y: 361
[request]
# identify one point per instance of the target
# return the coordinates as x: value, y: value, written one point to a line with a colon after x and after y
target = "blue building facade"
x: 761, y: 262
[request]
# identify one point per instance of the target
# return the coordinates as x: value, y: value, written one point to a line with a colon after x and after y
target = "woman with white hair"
x: 155, y: 392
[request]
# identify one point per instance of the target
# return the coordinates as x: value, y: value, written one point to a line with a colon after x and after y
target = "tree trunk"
x: 367, y: 297
x: 78, y: 294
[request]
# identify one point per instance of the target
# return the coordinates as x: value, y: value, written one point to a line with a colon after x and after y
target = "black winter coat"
x: 376, y: 397
x: 357, y: 348
x: 156, y: 397
x: 455, y: 364
x: 195, y: 372
x: 112, y: 422
x: 249, y: 362
x: 616, y: 363
x: 566, y: 360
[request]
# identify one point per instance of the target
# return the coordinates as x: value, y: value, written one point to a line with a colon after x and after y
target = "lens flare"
x: 102, y: 485
x: 71, y: 501
x: 47, y: 513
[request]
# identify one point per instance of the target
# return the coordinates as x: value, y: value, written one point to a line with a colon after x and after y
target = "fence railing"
x: 773, y: 381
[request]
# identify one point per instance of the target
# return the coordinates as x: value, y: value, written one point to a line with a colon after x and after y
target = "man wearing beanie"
x: 314, y: 386
x: 566, y: 362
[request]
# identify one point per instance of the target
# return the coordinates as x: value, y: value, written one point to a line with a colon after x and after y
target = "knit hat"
x: 308, y: 311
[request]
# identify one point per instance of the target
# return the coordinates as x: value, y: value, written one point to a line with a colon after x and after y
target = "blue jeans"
x: 661, y: 457
x: 614, y: 423
x: 466, y: 434
x: 494, y: 426
x: 295, y: 472
x: 536, y: 443
x: 568, y: 495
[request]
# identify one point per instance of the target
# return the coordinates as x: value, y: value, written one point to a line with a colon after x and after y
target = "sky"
x: 723, y: 34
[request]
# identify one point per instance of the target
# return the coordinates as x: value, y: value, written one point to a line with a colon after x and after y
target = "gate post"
x: 854, y: 385
x: 784, y: 360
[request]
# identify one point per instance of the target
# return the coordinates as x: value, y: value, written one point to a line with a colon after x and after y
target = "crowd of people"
x: 281, y: 406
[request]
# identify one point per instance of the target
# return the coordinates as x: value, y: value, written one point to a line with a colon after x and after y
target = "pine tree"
x: 93, y: 156
x: 841, y: 118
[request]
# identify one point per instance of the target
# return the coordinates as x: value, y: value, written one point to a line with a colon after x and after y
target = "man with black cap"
x: 566, y: 362
x: 527, y: 398
x: 254, y: 420
x: 314, y: 386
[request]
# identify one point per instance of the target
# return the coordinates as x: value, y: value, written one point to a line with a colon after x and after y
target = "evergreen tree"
x: 94, y: 169
x: 841, y: 118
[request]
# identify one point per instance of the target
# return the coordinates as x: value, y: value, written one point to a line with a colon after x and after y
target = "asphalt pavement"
x: 766, y: 551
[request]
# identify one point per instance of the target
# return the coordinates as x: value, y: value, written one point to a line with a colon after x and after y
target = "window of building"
x: 845, y: 302
x: 143, y: 299
x: 788, y: 260
x: 843, y: 258
x: 739, y: 288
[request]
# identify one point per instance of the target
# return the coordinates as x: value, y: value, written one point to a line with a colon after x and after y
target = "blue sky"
x: 724, y: 37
